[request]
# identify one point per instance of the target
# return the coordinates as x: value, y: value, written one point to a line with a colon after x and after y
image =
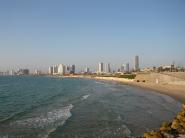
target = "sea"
x: 51, y: 107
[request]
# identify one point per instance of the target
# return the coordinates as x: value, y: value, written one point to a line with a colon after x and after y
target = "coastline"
x: 177, y: 92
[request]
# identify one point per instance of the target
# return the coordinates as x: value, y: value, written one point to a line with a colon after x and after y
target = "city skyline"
x: 37, y: 34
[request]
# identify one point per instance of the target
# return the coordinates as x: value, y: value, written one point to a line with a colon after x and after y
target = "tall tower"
x: 51, y: 70
x: 72, y: 69
x: 100, y: 67
x: 127, y: 68
x: 108, y: 69
x: 61, y: 69
x: 122, y: 69
x: 136, y: 63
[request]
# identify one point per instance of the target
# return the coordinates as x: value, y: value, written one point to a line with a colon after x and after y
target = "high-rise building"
x: 108, y: 69
x: 23, y: 72
x: 72, y: 71
x: 127, y: 68
x: 37, y: 72
x: 122, y: 69
x: 136, y: 63
x: 61, y: 69
x: 51, y: 70
x: 87, y: 70
x: 100, y: 67
x: 55, y: 70
x: 12, y: 73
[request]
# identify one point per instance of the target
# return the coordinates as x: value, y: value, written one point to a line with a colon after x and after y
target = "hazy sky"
x: 39, y: 33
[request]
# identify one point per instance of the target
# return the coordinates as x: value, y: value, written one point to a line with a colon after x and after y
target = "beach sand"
x: 175, y: 91
x: 168, y: 85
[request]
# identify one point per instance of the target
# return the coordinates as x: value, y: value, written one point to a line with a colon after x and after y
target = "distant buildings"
x: 55, y: 70
x: 37, y: 72
x: 1, y: 73
x: 61, y: 69
x: 100, y: 68
x: 72, y: 71
x: 127, y: 68
x: 108, y: 68
x: 136, y: 63
x: 50, y: 70
x: 122, y: 69
x: 87, y: 70
x: 23, y: 72
x: 12, y: 73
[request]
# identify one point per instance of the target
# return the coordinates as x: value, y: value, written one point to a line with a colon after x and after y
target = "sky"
x: 35, y: 34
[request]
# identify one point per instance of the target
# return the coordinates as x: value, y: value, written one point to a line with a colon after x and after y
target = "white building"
x: 12, y: 72
x: 61, y: 69
x: 55, y: 70
x: 100, y: 67
x: 51, y: 70
x: 38, y: 72
x: 87, y: 70
x: 122, y: 69
x: 108, y: 69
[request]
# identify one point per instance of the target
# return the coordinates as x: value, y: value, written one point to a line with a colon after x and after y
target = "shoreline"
x: 176, y: 92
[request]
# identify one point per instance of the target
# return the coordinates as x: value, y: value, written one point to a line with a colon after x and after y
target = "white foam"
x: 53, y: 118
x: 98, y: 82
x: 85, y: 97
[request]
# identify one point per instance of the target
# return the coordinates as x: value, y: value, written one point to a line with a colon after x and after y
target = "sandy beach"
x: 168, y: 85
x: 173, y: 90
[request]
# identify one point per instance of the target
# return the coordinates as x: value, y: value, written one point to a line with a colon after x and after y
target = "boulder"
x: 181, y: 118
x: 183, y: 106
x: 175, y: 124
x: 152, y: 134
x: 165, y: 127
x: 167, y: 135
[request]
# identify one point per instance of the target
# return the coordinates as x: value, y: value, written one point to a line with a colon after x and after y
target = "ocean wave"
x: 98, y: 82
x: 47, y: 119
x: 85, y: 97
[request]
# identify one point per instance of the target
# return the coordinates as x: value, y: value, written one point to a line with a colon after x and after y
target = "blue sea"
x: 48, y: 107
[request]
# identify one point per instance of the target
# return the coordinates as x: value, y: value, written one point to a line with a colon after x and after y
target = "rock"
x: 183, y: 125
x: 167, y: 135
x: 165, y: 127
x: 181, y: 118
x: 174, y: 129
x: 175, y: 124
x: 181, y: 136
x: 182, y: 113
x: 183, y: 106
x: 152, y: 134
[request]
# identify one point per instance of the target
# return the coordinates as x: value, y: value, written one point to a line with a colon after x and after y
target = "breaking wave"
x: 48, y: 121
x: 85, y: 97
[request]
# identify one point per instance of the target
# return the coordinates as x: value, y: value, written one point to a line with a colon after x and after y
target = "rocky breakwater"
x: 174, y: 129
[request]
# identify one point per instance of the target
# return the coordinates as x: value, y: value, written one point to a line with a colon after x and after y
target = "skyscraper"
x: 122, y: 69
x: 61, y: 69
x: 55, y: 70
x: 72, y: 69
x: 136, y: 63
x: 50, y: 70
x: 100, y: 67
x: 108, y: 69
x: 87, y: 70
x: 127, y: 68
